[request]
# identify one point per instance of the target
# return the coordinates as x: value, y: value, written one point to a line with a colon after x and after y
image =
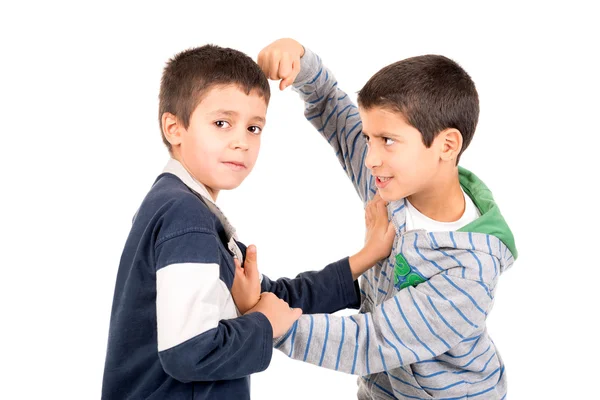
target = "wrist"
x: 247, y: 307
x: 360, y: 263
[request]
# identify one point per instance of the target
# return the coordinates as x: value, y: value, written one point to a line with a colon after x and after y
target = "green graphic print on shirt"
x: 404, y: 275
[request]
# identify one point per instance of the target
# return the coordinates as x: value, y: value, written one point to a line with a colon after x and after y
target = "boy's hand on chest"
x: 246, y: 282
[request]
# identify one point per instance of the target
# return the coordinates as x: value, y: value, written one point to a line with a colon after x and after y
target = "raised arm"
x: 328, y: 108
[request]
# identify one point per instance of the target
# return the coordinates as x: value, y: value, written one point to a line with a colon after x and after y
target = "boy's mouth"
x: 382, y: 181
x: 235, y: 165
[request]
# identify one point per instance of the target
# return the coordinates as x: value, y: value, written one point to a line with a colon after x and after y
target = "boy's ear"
x: 451, y: 141
x: 171, y: 128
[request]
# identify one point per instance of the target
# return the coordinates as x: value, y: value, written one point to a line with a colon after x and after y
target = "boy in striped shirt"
x: 421, y: 332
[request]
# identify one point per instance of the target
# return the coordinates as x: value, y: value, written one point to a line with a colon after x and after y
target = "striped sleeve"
x: 200, y: 337
x: 330, y: 110
x: 417, y: 324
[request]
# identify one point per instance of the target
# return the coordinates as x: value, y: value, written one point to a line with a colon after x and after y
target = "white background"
x: 81, y: 147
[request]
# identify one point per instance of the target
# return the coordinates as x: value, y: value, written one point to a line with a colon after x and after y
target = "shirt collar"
x: 176, y: 168
x: 397, y: 214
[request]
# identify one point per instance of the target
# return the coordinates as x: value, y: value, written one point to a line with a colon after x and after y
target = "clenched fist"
x: 281, y: 60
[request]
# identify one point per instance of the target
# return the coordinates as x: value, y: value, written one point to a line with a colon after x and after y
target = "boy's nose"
x: 240, y: 142
x: 372, y: 160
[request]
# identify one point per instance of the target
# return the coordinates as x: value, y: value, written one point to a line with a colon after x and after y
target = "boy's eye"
x: 365, y: 137
x: 389, y: 141
x: 222, y: 124
x: 255, y: 130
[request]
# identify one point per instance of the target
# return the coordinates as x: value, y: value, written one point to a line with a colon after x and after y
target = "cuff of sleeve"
x: 310, y: 65
x: 267, y: 343
x: 350, y: 288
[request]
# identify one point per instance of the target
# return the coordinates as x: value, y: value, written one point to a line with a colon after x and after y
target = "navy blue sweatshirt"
x: 175, y: 332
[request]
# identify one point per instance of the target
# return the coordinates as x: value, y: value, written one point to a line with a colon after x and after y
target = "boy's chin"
x: 386, y: 195
x: 230, y: 185
x: 390, y: 195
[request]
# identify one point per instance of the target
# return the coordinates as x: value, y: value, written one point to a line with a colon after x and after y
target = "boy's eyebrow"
x: 381, y: 134
x: 259, y: 119
x: 226, y: 112
x: 232, y: 113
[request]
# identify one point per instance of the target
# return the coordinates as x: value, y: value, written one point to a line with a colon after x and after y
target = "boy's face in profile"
x: 220, y: 146
x: 397, y: 157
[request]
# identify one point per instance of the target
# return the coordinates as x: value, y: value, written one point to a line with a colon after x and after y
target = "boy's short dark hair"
x: 192, y: 73
x: 432, y: 92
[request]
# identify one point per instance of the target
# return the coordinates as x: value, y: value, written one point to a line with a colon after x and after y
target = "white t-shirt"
x: 416, y: 220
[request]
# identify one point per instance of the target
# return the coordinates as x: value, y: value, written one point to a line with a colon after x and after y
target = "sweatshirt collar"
x: 176, y: 168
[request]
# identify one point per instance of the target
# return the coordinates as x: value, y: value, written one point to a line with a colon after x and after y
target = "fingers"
x: 267, y: 296
x: 381, y: 209
x: 273, y: 64
x: 261, y: 61
x: 379, y: 206
x: 369, y: 215
x: 376, y: 208
x: 291, y: 77
x: 251, y: 262
x: 238, y: 266
x: 279, y: 64
x: 382, y: 220
x: 268, y: 61
x: 377, y: 200
x: 281, y: 60
x: 285, y: 65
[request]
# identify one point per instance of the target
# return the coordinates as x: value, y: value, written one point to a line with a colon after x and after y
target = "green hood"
x: 491, y: 221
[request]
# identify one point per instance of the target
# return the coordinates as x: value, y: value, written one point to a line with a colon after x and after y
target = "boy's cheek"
x: 253, y: 159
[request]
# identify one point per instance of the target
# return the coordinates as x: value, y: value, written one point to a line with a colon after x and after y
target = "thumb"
x: 296, y: 313
x: 251, y: 264
x: 285, y: 83
x: 391, y: 231
x: 292, y: 77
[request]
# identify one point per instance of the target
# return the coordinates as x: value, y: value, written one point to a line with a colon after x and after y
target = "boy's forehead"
x: 381, y: 112
x: 377, y: 118
x: 232, y: 100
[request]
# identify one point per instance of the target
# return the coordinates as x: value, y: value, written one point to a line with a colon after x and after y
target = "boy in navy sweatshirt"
x: 175, y: 331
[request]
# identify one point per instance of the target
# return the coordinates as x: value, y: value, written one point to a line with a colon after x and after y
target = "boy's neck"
x: 212, y: 192
x: 443, y: 200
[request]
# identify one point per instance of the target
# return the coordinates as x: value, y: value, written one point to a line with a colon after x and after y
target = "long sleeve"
x: 325, y: 291
x: 200, y: 337
x: 417, y: 324
x: 332, y: 113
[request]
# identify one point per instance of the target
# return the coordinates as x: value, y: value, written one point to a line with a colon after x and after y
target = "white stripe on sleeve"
x: 190, y: 299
